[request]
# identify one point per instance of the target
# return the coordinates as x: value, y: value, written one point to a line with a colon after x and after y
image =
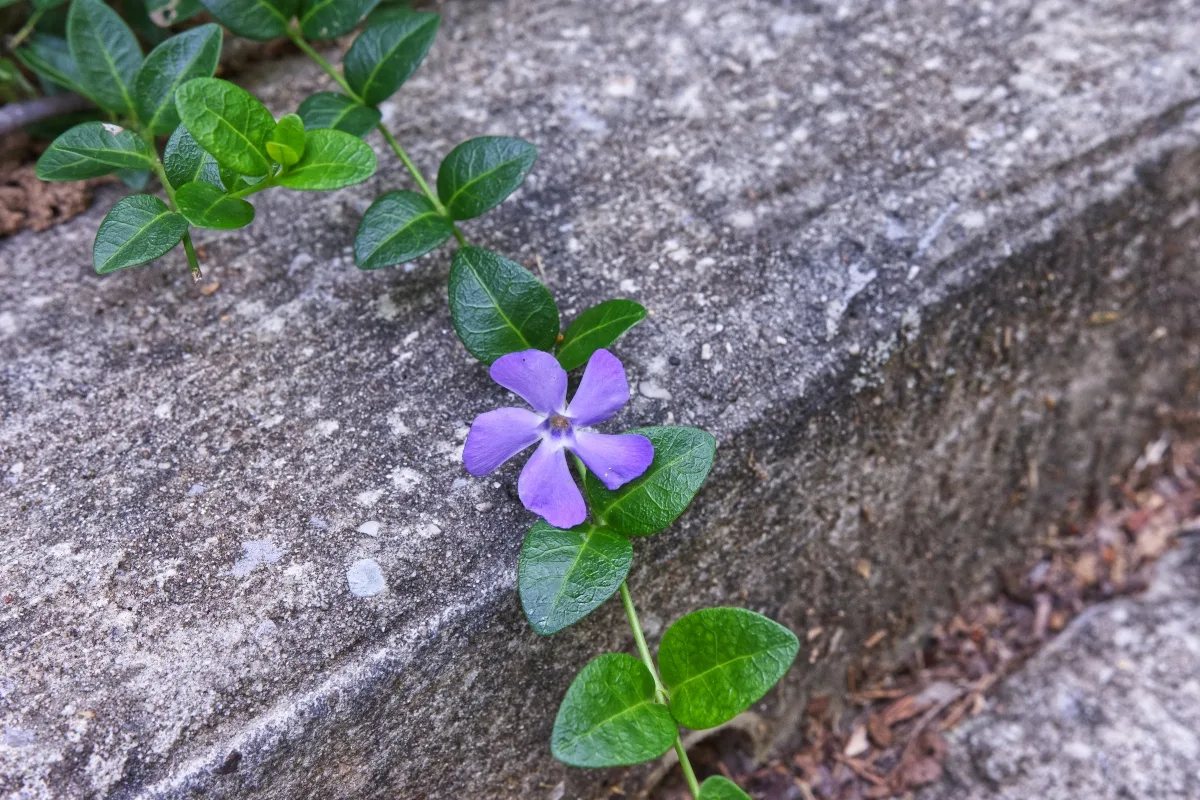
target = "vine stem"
x: 660, y: 692
x: 188, y: 248
x: 430, y: 195
x: 26, y: 29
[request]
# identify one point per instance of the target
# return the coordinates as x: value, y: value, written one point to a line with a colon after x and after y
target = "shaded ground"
x: 1107, y: 709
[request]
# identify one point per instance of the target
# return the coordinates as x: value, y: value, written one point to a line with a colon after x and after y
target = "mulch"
x: 887, y: 739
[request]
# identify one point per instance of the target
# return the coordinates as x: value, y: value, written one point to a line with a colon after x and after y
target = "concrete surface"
x: 924, y: 268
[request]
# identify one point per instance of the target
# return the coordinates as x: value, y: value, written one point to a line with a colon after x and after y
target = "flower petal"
x: 536, y: 376
x: 548, y: 490
x: 497, y: 436
x: 602, y: 391
x: 615, y: 460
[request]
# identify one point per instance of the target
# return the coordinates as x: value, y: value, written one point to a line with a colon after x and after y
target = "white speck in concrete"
x: 935, y: 229
x: 406, y: 479
x: 255, y: 553
x: 365, y: 578
x: 653, y: 391
x: 196, y: 489
x: 368, y: 498
x: 627, y: 285
x: 327, y: 427
x: 705, y: 351
x: 163, y: 410
x: 370, y: 528
x: 386, y: 308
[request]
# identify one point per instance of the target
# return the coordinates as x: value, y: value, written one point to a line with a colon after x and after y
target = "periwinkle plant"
x: 225, y: 146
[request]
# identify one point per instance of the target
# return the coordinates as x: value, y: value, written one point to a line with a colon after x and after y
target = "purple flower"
x: 546, y: 486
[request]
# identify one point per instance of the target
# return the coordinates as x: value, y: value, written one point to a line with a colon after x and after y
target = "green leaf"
x: 719, y: 788
x: 106, y: 53
x: 50, y: 57
x: 139, y: 228
x: 682, y: 459
x: 563, y: 576
x: 286, y: 143
x: 498, y: 307
x: 206, y: 206
x: 254, y: 19
x: 91, y: 150
x: 338, y: 112
x: 398, y: 227
x: 384, y: 55
x: 185, y: 161
x: 191, y: 54
x: 609, y: 717
x: 228, y: 122
x: 596, y: 328
x: 324, y: 19
x: 478, y: 174
x: 332, y: 159
x: 718, y: 662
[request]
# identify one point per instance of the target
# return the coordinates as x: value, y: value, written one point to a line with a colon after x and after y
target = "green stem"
x: 311, y: 52
x: 308, y: 50
x: 265, y: 183
x: 192, y: 259
x: 26, y: 29
x: 660, y: 692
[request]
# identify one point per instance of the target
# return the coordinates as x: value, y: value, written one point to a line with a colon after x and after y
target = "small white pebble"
x: 706, y: 351
x: 370, y: 528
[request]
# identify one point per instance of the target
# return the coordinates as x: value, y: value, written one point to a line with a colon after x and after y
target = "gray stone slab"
x: 925, y: 269
x: 1110, y: 710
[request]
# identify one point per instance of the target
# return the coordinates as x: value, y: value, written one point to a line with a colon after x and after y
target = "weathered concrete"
x: 1110, y: 710
x: 924, y: 268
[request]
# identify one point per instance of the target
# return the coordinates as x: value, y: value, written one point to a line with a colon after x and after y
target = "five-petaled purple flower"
x: 546, y: 486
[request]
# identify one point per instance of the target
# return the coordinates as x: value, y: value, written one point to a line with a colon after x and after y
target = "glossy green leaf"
x: 93, y: 149
x: 139, y: 228
x: 682, y: 459
x: 186, y: 161
x: 286, y: 143
x: 338, y: 112
x: 398, y: 227
x: 596, y: 328
x: 228, y: 122
x: 50, y: 57
x: 478, y: 174
x: 609, y: 717
x: 332, y: 159
x: 206, y: 206
x: 563, y: 576
x: 106, y: 53
x: 324, y: 19
x: 254, y: 19
x: 717, y: 662
x: 191, y: 54
x: 717, y: 787
x: 498, y: 306
x: 384, y: 55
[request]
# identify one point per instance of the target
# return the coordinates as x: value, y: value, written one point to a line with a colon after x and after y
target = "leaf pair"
x: 715, y: 663
x: 497, y: 306
x: 564, y: 575
x: 474, y: 178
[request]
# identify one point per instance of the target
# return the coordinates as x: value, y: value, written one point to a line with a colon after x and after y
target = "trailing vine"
x: 596, y: 493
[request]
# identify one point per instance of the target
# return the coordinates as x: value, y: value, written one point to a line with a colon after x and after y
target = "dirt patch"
x: 25, y: 201
x: 885, y: 740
